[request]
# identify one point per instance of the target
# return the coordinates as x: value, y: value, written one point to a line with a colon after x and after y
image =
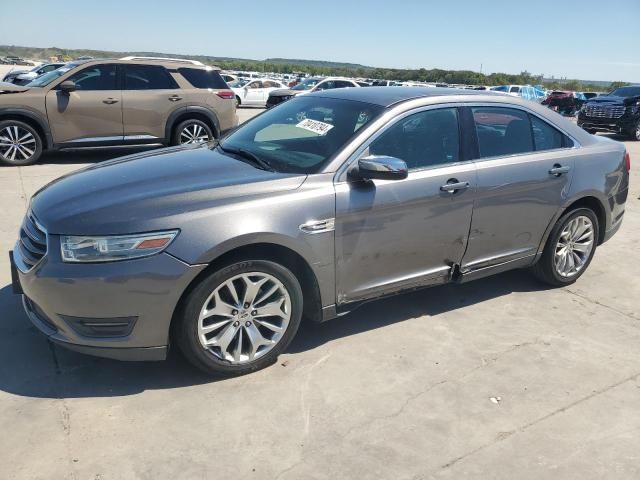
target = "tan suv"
x: 129, y: 101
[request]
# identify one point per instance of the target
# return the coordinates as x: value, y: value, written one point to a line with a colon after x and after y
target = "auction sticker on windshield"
x: 315, y: 126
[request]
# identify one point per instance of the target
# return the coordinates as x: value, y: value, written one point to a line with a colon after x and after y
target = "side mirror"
x: 381, y: 168
x: 68, y: 86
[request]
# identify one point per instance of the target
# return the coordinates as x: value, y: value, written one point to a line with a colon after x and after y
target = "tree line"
x: 435, y: 75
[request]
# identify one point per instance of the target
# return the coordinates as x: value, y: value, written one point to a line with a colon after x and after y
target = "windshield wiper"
x: 252, y: 157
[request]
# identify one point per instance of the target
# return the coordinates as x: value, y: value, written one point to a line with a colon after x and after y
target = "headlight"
x: 113, y: 248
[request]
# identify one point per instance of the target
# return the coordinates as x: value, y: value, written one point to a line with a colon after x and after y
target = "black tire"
x: 635, y: 132
x: 34, y: 144
x: 238, y: 101
x: 591, y: 131
x: 191, y: 122
x: 544, y: 269
x: 186, y: 330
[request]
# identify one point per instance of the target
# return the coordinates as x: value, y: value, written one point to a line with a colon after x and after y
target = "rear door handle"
x: 109, y: 101
x: 558, y: 170
x: 175, y: 98
x: 452, y: 186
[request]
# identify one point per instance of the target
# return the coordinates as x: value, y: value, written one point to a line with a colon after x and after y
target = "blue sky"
x: 586, y: 39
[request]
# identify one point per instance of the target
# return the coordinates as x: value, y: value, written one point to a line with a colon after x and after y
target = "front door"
x: 255, y: 93
x: 392, y: 235
x: 92, y: 113
x: 524, y: 173
x: 149, y: 96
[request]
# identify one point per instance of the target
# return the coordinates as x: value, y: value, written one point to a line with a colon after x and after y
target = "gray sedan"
x: 307, y: 211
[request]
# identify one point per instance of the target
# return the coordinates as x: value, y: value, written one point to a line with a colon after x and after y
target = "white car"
x: 254, y: 92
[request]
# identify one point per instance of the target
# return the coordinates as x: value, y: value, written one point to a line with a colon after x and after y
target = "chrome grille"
x: 604, y: 111
x: 33, y: 241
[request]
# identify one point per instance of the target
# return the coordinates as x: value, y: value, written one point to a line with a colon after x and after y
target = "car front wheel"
x: 239, y: 319
x: 20, y: 144
x: 569, y: 249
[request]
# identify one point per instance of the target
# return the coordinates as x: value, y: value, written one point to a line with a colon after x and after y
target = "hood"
x: 285, y: 92
x: 151, y: 191
x: 6, y: 87
x: 613, y: 100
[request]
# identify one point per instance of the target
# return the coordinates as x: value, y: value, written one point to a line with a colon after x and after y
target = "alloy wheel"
x: 245, y: 317
x: 574, y: 246
x: 16, y: 143
x: 193, y: 133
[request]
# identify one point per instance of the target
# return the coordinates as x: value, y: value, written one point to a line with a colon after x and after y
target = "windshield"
x: 300, y: 135
x: 47, y: 78
x: 626, y: 92
x: 307, y: 84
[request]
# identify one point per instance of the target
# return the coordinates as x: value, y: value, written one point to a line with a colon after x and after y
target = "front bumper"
x: 119, y: 310
x: 621, y: 125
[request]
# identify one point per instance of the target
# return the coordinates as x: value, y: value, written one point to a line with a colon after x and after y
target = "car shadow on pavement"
x: 81, y: 156
x: 32, y: 366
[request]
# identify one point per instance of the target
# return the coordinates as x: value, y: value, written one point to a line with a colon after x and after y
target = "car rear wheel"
x: 635, y: 133
x: 239, y: 319
x: 192, y: 131
x: 569, y: 249
x: 238, y: 101
x: 20, y: 144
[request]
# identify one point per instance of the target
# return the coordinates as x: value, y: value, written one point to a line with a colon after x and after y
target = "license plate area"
x: 15, y: 279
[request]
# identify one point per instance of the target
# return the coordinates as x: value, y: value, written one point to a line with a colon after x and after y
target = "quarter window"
x: 201, y: 78
x: 502, y: 131
x: 547, y: 137
x: 148, y: 77
x: 99, y: 77
x: 423, y: 139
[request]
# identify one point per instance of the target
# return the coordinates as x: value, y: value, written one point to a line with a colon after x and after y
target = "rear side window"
x: 502, y: 131
x: 148, y: 77
x: 201, y: 78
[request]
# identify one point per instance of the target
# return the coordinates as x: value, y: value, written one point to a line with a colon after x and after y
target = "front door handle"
x: 109, y: 101
x: 175, y: 98
x: 558, y: 170
x: 453, y: 185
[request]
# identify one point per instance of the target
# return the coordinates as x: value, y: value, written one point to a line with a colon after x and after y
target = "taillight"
x: 627, y: 161
x: 226, y: 94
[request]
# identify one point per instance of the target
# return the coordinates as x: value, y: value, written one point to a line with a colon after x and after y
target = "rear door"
x: 524, y: 173
x: 92, y: 113
x: 149, y: 96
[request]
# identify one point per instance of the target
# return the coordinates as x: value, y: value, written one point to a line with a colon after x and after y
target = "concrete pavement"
x: 495, y: 379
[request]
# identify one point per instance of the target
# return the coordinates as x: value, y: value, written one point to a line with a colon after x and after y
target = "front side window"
x: 502, y: 131
x: 422, y: 140
x: 96, y: 78
x: 307, y: 84
x: 148, y: 77
x: 302, y: 134
x: 328, y: 85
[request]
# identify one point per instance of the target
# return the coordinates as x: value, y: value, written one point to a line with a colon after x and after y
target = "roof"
x: 387, y: 96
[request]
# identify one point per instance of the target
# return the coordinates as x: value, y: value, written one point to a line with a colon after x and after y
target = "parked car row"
x: 22, y: 77
x: 127, y: 101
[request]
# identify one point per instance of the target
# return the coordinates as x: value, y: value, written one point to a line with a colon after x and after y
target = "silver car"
x: 307, y: 211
